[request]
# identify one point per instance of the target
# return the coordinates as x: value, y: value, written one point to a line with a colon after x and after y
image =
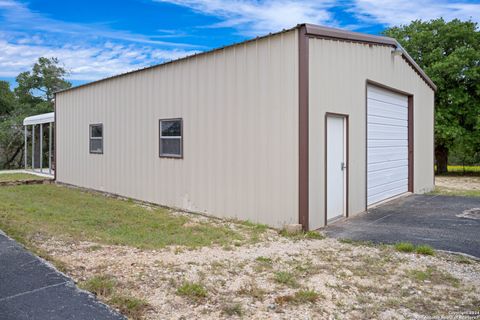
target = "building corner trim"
x: 303, y: 131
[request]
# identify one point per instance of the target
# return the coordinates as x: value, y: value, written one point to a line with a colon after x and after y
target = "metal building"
x: 306, y: 126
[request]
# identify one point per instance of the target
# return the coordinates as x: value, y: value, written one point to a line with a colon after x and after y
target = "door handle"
x: 343, y: 166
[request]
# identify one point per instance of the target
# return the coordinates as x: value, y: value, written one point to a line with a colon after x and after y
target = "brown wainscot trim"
x: 303, y: 188
x: 160, y: 140
x: 347, y: 160
x: 411, y: 131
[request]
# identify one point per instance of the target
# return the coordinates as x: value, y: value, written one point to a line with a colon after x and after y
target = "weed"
x: 101, y: 285
x: 286, y: 278
x: 425, y: 250
x: 264, y: 260
x: 234, y: 309
x: 405, y: 247
x: 192, y: 290
x: 300, y: 297
x: 252, y: 290
x: 132, y: 307
x: 302, y: 235
x: 304, y: 296
x: 433, y: 275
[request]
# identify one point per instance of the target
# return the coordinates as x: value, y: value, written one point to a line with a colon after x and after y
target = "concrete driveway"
x: 32, y: 289
x: 443, y: 222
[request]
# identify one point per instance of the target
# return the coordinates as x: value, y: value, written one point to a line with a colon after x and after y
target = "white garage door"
x: 387, y: 144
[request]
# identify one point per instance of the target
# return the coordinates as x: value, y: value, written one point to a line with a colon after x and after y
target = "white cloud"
x: 88, y: 51
x: 396, y: 12
x: 83, y: 62
x: 253, y: 17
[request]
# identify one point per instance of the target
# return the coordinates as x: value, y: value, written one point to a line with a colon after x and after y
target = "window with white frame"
x: 96, y: 138
x: 171, y: 142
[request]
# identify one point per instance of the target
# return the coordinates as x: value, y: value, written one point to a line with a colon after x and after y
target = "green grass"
x: 192, y: 290
x: 425, y: 250
x: 101, y: 285
x: 455, y: 192
x: 19, y: 176
x: 302, y: 235
x: 286, y: 278
x: 304, y: 296
x: 106, y: 286
x: 459, y: 169
x: 52, y: 210
x: 133, y: 308
x: 405, y: 247
x: 434, y: 276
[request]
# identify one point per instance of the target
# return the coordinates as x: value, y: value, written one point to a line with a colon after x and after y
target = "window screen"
x: 171, y: 138
x: 96, y: 138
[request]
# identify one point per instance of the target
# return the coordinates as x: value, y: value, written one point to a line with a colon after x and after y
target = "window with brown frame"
x: 171, y: 139
x: 96, y: 138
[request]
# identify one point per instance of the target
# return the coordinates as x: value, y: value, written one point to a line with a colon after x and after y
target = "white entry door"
x: 387, y: 144
x: 336, y: 166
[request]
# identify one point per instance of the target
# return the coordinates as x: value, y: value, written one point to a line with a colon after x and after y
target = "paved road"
x: 420, y: 219
x: 32, y: 289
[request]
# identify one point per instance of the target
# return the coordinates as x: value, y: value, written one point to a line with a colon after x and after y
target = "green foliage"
x: 134, y: 308
x: 286, y: 278
x: 32, y: 96
x: 7, y: 98
x: 405, y: 247
x: 192, y: 290
x: 449, y: 52
x: 101, y: 285
x: 425, y: 250
x: 46, y: 77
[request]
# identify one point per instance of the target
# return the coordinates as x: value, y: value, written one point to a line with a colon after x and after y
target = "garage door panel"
x: 387, y: 96
x: 382, y: 109
x: 385, y: 154
x: 387, y: 144
x: 380, y: 131
x: 386, y: 165
x: 387, y: 121
x: 379, y: 177
x: 387, y: 194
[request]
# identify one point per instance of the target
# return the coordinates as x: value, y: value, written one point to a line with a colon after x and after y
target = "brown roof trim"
x: 338, y: 34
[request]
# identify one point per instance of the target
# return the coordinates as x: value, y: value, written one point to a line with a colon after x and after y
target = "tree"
x: 33, y: 95
x: 7, y: 98
x: 449, y: 52
x: 42, y: 82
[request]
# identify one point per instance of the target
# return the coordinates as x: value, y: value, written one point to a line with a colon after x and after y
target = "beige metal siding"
x: 337, y: 83
x: 240, y: 120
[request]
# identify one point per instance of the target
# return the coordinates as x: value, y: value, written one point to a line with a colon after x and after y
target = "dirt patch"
x: 458, y: 183
x: 279, y: 278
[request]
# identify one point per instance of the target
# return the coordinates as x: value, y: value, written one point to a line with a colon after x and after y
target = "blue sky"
x: 96, y: 39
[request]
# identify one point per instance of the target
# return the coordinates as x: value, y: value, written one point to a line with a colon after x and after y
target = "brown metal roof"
x: 311, y: 30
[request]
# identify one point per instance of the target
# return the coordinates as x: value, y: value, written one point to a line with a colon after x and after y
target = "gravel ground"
x: 280, y: 278
x: 458, y: 183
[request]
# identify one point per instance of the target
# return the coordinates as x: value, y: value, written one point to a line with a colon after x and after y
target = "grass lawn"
x: 19, y: 176
x: 50, y: 210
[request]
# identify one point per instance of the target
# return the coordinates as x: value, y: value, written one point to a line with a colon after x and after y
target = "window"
x: 171, y: 144
x: 96, y: 138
